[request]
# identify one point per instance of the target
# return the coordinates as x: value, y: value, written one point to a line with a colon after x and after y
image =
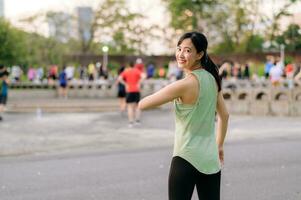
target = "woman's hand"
x: 221, y: 155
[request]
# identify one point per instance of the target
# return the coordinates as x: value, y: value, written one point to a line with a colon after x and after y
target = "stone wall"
x: 245, y: 97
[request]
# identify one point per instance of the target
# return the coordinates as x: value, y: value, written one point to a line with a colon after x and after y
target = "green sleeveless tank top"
x: 195, y: 139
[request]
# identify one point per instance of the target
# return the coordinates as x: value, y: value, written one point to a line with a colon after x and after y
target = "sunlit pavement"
x: 35, y: 133
x: 96, y: 156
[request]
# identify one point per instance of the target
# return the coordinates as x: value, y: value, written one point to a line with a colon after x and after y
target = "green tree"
x: 12, y: 44
x: 274, y: 29
x: 291, y: 38
x: 43, y: 50
x: 116, y: 26
x: 232, y: 25
x: 188, y: 15
x: 228, y: 24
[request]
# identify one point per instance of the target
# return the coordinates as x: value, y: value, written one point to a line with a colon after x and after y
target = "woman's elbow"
x: 226, y: 116
x: 141, y: 105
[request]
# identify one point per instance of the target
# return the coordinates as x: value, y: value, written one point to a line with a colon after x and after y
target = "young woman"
x: 198, y: 151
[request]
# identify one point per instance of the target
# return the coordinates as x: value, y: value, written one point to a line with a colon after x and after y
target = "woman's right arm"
x: 222, y: 124
x: 166, y: 94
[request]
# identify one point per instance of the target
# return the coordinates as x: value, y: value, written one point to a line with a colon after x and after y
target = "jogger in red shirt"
x: 131, y: 78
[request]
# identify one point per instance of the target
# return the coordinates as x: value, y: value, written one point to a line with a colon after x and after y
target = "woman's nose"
x: 180, y: 54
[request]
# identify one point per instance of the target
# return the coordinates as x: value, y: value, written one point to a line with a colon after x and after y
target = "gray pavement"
x: 96, y: 156
x: 38, y: 133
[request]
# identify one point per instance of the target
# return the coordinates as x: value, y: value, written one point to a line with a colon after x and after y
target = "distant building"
x: 60, y: 25
x: 1, y: 8
x: 85, y: 17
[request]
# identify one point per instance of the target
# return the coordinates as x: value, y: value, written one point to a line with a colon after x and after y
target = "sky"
x: 17, y: 9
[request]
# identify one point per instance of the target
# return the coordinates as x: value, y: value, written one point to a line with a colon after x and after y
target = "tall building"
x: 60, y: 25
x: 1, y: 8
x: 85, y: 17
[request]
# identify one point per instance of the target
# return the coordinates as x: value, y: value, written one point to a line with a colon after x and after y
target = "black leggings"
x: 183, y: 177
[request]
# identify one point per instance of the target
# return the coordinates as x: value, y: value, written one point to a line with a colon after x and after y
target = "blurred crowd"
x: 275, y: 70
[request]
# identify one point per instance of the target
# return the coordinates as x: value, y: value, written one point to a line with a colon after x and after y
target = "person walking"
x: 198, y: 153
x: 4, y: 81
x: 63, y: 84
x: 132, y: 78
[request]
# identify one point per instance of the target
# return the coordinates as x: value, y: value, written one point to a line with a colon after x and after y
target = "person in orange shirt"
x: 132, y: 78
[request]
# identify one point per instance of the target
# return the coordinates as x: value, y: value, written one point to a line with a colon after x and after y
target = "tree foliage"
x: 232, y: 25
x: 12, y: 44
x: 115, y: 25
x: 291, y: 38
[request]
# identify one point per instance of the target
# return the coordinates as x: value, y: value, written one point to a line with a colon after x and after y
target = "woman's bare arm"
x: 166, y: 94
x: 222, y: 124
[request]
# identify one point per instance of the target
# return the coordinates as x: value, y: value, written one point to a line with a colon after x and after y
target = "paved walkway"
x: 38, y: 133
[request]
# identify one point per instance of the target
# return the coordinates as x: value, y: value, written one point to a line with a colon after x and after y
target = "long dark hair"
x: 200, y: 42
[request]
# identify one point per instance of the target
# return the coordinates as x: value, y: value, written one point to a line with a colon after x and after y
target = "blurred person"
x: 91, y: 72
x: 139, y: 65
x: 63, y: 83
x: 4, y: 81
x: 289, y: 74
x: 172, y: 70
x: 276, y: 74
x: 121, y: 92
x: 198, y: 152
x: 31, y: 74
x: 52, y: 74
x: 268, y: 66
x: 82, y: 72
x: 69, y: 72
x: 131, y: 77
x: 103, y: 73
x: 246, y: 72
x: 161, y: 72
x: 150, y: 71
x: 224, y: 70
x: 236, y: 71
x: 179, y: 74
x: 40, y: 74
x: 16, y: 73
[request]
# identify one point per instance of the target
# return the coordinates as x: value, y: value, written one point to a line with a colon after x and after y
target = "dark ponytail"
x: 200, y: 42
x: 210, y: 67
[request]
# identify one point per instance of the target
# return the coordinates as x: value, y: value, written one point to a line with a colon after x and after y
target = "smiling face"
x: 187, y: 56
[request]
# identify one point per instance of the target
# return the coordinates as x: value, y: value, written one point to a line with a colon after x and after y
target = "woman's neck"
x: 196, y: 67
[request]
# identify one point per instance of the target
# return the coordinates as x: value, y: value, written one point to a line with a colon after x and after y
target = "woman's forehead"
x: 186, y: 43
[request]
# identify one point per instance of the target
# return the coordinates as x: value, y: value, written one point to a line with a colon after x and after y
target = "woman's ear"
x: 200, y: 55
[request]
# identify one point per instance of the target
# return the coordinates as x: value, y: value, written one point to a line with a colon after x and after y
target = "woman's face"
x: 187, y: 56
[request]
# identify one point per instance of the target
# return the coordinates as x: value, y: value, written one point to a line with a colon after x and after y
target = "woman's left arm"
x: 166, y: 94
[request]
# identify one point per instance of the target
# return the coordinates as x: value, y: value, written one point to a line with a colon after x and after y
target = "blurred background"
x: 73, y: 32
x: 64, y: 134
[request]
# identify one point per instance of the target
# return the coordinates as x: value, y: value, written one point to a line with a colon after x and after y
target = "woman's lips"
x: 181, y: 61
